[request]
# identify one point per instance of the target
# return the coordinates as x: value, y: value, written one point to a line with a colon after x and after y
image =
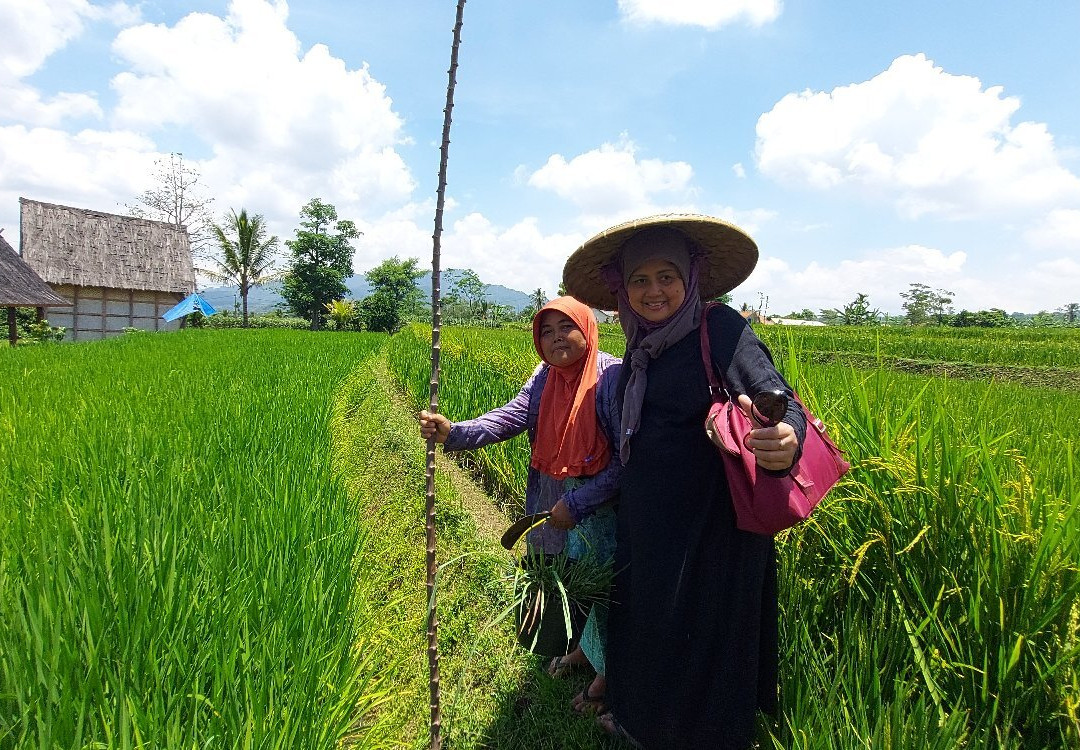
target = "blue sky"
x: 865, y: 146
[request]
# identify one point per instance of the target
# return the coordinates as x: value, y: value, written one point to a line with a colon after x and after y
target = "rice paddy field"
x: 191, y: 556
x: 179, y: 562
x: 932, y: 600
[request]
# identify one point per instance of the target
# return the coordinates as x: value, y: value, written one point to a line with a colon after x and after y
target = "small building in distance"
x: 753, y: 316
x: 118, y: 271
x: 21, y: 287
x: 796, y: 322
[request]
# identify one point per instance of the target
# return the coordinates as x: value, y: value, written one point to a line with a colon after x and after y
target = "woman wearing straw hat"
x: 692, y: 631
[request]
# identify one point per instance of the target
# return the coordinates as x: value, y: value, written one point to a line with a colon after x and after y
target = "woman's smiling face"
x: 561, y: 342
x: 656, y: 290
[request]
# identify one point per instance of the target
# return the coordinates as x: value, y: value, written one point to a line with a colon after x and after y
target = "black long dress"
x: 693, y: 621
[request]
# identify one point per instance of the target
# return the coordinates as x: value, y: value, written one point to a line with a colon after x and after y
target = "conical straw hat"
x: 729, y: 256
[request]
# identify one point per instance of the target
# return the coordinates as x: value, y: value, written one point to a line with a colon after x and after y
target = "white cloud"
x: 519, y: 256
x: 283, y: 123
x: 527, y: 258
x: 611, y: 182
x: 1059, y: 229
x: 710, y: 14
x: 88, y: 169
x: 26, y: 105
x: 933, y: 142
x: 34, y: 30
x: 882, y: 275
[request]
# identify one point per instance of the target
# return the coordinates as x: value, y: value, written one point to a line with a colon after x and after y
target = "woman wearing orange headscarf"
x: 570, y: 408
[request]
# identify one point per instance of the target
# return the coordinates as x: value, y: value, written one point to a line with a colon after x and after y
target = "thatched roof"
x: 20, y: 286
x: 78, y: 246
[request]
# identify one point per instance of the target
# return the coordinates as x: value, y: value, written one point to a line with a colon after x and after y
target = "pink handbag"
x: 766, y: 504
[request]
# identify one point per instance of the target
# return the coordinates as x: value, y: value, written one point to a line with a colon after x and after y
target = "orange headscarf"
x: 569, y: 441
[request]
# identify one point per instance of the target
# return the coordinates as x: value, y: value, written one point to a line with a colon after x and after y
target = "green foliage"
x: 1015, y: 346
x: 320, y: 263
x: 32, y: 331
x: 992, y: 318
x: 855, y: 313
x: 924, y: 305
x: 342, y: 313
x: 383, y: 462
x: 466, y: 302
x: 470, y: 289
x: 270, y: 320
x: 571, y: 587
x: 395, y: 295
x: 858, y: 312
x: 1071, y: 313
x: 380, y: 312
x: 246, y: 254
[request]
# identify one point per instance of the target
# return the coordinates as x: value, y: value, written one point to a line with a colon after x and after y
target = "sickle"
x: 522, y: 526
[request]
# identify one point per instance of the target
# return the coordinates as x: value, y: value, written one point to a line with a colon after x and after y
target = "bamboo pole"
x: 436, y: 273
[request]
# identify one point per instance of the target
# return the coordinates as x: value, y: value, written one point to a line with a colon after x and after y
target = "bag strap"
x: 717, y: 388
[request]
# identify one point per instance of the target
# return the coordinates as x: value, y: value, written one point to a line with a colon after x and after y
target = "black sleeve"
x: 747, y: 366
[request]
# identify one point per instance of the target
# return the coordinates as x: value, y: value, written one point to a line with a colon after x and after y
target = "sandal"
x: 611, y: 725
x: 585, y: 703
x: 559, y: 667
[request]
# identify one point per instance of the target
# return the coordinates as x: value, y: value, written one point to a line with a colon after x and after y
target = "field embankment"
x: 494, y: 695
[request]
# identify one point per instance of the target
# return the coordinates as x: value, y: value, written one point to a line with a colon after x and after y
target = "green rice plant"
x: 1026, y: 347
x: 554, y: 593
x: 941, y: 578
x: 480, y: 370
x: 179, y: 560
x: 932, y: 600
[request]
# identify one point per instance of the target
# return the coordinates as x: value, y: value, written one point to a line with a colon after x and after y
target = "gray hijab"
x: 646, y: 340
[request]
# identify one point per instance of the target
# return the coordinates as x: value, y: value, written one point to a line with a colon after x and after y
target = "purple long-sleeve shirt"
x: 582, y: 495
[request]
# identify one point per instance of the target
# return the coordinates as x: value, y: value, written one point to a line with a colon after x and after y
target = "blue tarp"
x: 188, y: 305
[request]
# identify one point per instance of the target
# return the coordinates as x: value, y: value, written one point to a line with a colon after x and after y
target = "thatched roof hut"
x: 120, y: 271
x: 81, y: 247
x: 21, y: 287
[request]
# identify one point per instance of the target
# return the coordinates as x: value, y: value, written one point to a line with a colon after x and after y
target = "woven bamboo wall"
x: 101, y: 311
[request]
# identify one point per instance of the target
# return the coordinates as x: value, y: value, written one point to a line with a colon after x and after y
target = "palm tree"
x: 247, y: 256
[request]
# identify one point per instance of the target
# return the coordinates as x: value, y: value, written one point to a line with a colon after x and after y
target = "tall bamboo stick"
x: 436, y: 320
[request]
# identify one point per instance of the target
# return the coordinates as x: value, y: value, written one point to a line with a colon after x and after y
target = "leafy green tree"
x: 993, y: 318
x: 247, y: 255
x: 471, y: 291
x: 805, y: 314
x: 858, y: 312
x: 394, y: 294
x: 538, y: 300
x: 1071, y: 312
x: 830, y: 316
x: 924, y: 305
x: 725, y: 298
x: 1045, y: 319
x: 321, y: 261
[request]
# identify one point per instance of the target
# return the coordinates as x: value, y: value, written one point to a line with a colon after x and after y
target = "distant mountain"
x: 264, y: 299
